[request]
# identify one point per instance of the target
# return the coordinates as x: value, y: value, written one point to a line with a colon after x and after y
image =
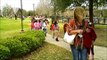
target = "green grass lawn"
x: 9, y: 26
x: 47, y: 52
x: 101, y: 31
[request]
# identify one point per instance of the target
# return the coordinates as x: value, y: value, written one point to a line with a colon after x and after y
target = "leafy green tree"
x: 8, y: 11
x: 30, y: 13
x: 19, y: 13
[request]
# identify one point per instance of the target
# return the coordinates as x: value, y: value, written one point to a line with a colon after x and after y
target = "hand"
x: 92, y: 44
x: 87, y: 30
x: 79, y: 31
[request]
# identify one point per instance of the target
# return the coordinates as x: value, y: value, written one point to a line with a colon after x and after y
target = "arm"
x: 70, y: 32
x: 94, y: 36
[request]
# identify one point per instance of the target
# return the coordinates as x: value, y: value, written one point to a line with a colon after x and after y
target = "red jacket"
x: 32, y: 25
x: 52, y: 26
x: 88, y: 37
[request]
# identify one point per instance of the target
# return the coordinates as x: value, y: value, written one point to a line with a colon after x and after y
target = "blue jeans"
x: 80, y: 54
x: 45, y: 31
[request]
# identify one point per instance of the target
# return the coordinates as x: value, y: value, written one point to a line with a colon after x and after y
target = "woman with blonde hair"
x: 79, y: 26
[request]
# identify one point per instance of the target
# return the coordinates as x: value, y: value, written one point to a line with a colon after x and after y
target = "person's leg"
x: 53, y: 34
x: 80, y: 54
x: 92, y: 49
x: 91, y: 54
x: 75, y: 52
x: 84, y: 54
x: 57, y: 35
x: 44, y: 31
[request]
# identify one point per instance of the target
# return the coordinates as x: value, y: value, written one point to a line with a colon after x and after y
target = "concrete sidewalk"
x: 100, y: 52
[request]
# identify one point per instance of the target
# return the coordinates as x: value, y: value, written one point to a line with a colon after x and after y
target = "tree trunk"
x: 91, y: 10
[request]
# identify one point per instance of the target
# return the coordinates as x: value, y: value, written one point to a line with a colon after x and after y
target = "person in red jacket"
x: 52, y: 27
x: 32, y: 23
x: 85, y: 35
x: 89, y: 39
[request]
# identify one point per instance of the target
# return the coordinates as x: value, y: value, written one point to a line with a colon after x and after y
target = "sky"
x: 27, y: 4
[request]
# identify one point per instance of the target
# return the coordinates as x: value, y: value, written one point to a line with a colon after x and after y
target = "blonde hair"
x: 79, y: 11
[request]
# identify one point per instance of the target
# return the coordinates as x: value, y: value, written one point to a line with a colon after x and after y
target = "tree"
x: 8, y: 11
x: 44, y: 8
x: 15, y: 11
x: 30, y: 13
x: 19, y: 12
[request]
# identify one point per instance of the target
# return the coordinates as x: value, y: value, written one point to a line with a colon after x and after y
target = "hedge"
x: 21, y: 43
x: 4, y: 52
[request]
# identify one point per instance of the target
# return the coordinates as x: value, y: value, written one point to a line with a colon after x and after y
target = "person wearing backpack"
x: 37, y: 25
x: 44, y: 26
x: 83, y: 39
x: 56, y: 30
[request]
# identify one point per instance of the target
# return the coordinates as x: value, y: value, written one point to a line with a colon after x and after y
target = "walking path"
x: 100, y: 52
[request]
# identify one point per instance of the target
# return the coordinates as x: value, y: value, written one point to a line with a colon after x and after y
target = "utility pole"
x: 33, y: 9
x: 0, y: 9
x: 21, y: 16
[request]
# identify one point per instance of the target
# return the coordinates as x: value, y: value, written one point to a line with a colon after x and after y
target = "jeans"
x: 80, y: 54
x: 45, y: 31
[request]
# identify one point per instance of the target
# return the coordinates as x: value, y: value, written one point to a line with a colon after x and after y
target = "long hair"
x: 78, y: 11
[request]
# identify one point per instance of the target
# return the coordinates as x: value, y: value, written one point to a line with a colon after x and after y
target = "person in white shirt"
x: 44, y: 26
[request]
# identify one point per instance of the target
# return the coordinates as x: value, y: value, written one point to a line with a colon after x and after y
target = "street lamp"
x: 34, y: 9
x: 21, y: 16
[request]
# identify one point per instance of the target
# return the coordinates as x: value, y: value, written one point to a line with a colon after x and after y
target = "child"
x: 52, y: 27
x: 65, y: 26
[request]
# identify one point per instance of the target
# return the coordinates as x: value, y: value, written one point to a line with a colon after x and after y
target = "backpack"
x: 56, y: 27
x: 37, y: 25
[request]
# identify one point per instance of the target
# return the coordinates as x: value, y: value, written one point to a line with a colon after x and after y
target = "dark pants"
x: 45, y: 31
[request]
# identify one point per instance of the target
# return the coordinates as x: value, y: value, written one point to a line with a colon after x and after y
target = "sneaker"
x: 56, y: 39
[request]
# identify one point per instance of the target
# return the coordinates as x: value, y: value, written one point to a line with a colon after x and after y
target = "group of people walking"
x: 38, y: 23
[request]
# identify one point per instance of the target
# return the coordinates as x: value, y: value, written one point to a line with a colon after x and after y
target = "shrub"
x: 40, y: 37
x: 4, y: 52
x: 22, y: 43
x: 15, y: 46
x: 37, y: 36
x: 32, y: 39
